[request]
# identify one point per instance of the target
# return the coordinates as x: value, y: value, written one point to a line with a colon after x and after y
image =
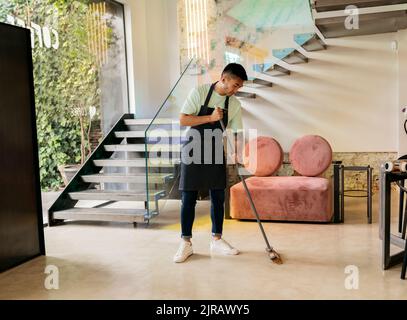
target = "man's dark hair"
x: 235, y: 70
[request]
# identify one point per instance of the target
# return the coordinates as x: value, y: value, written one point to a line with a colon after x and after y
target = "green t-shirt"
x: 196, y: 99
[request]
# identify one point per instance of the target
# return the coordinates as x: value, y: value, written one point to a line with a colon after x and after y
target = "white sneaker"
x: 184, y: 251
x: 222, y: 247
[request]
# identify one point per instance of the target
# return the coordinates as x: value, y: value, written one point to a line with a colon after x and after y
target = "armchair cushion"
x: 263, y: 156
x: 293, y: 198
x: 311, y: 155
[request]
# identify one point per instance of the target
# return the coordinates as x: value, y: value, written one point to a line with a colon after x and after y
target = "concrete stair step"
x: 290, y: 55
x: 335, y: 5
x: 242, y: 94
x: 141, y: 147
x: 153, y: 178
x: 257, y: 83
x: 101, y: 214
x: 271, y: 69
x: 140, y: 163
x: 369, y: 23
x: 116, y: 195
x: 136, y: 122
x: 150, y: 133
x: 310, y: 41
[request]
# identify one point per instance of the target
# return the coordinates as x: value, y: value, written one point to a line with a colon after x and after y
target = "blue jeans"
x: 188, y: 211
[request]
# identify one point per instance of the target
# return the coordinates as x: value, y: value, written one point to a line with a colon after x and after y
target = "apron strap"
x: 208, y: 98
x: 226, y: 113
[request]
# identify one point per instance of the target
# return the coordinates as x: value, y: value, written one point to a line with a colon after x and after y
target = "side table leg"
x: 369, y: 194
x: 401, y: 205
x: 342, y: 194
x: 385, y: 194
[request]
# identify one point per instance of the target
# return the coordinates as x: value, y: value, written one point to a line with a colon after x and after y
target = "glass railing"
x: 260, y: 44
x: 164, y: 137
x: 274, y: 38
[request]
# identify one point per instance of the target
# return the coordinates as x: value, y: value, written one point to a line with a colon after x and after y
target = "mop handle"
x: 269, y: 247
x: 224, y: 130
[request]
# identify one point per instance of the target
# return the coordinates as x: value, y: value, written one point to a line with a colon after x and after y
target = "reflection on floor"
x: 116, y: 261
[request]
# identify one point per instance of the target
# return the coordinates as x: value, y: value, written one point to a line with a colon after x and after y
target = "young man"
x: 203, y: 110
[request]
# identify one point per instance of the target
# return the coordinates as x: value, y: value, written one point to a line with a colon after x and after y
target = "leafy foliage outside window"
x: 66, y: 80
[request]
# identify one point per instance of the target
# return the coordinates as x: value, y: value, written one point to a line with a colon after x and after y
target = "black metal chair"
x: 403, y: 222
x: 402, y: 207
x: 404, y: 266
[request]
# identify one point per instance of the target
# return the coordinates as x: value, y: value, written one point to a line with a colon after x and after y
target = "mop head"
x: 274, y: 256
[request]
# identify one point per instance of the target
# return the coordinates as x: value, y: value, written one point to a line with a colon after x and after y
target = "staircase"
x: 117, y: 172
x: 375, y: 16
x: 126, y: 167
x: 307, y: 41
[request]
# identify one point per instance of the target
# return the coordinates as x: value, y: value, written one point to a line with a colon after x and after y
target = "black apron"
x: 202, y: 176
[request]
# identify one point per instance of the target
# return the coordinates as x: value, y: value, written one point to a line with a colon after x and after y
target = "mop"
x: 273, y: 254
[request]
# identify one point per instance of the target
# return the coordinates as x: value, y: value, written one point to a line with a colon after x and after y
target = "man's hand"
x: 217, y: 114
x: 190, y: 120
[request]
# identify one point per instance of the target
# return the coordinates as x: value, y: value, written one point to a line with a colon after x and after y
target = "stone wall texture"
x: 354, y: 180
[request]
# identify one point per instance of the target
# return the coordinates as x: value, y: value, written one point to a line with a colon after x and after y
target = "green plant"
x: 64, y: 79
x: 85, y: 116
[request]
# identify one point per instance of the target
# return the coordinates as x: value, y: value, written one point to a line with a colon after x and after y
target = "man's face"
x: 231, y: 84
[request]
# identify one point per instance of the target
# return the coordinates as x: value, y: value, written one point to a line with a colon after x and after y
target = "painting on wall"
x: 217, y: 32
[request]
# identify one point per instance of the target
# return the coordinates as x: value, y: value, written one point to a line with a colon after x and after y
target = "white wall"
x: 347, y: 94
x: 402, y: 54
x: 153, y: 51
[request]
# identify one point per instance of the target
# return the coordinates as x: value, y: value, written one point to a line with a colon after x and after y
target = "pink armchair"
x: 305, y: 198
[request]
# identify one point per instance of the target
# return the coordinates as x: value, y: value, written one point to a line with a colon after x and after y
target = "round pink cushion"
x: 311, y: 155
x: 268, y: 158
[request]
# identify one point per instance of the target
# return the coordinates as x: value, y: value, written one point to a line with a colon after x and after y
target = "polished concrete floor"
x: 117, y: 261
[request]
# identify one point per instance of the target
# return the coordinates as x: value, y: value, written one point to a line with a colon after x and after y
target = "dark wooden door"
x: 21, y: 226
